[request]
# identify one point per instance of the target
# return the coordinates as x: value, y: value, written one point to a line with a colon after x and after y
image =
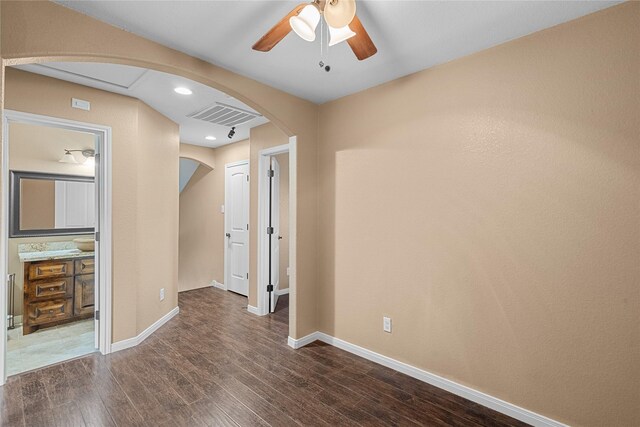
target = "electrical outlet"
x: 288, y: 272
x: 162, y: 294
x: 386, y: 324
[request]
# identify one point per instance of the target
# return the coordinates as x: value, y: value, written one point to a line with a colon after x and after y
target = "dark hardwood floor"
x: 217, y: 364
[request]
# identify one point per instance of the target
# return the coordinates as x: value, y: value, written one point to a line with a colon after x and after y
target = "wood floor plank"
x: 216, y: 364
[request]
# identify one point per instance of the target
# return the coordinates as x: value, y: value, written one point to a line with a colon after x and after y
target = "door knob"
x: 279, y: 237
x: 229, y: 235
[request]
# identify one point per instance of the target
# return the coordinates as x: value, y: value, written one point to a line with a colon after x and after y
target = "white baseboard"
x: 132, y: 342
x: 301, y: 342
x: 218, y: 285
x: 254, y: 310
x: 280, y: 292
x: 479, y: 397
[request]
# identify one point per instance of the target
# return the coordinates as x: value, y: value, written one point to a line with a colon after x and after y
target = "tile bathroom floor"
x: 48, y: 346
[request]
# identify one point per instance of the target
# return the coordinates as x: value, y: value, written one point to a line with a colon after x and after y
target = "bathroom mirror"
x: 43, y: 204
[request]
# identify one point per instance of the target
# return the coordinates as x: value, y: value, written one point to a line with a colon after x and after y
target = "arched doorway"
x: 42, y: 32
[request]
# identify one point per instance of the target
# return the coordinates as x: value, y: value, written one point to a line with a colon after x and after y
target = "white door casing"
x: 275, y: 237
x: 236, y: 220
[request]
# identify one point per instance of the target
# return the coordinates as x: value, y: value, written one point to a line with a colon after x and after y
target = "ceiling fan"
x: 340, y: 16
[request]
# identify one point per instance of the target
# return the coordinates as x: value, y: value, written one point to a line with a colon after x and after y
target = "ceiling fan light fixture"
x: 340, y: 34
x: 306, y: 22
x: 339, y: 13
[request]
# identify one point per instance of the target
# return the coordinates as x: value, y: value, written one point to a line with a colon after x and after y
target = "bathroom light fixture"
x: 68, y: 157
x: 183, y: 90
x: 210, y: 138
x: 89, y: 155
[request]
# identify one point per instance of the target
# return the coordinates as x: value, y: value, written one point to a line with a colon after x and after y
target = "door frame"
x: 225, y: 285
x: 103, y: 147
x: 264, y: 164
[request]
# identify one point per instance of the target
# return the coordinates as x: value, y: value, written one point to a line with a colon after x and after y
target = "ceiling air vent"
x: 223, y: 114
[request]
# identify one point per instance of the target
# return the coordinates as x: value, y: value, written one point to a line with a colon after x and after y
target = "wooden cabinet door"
x: 84, y: 294
x: 85, y: 266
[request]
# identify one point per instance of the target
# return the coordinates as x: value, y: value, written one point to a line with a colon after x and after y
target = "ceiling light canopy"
x: 306, y: 22
x: 183, y: 90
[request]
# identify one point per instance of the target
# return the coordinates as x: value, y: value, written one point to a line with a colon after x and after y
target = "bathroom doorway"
x: 55, y: 241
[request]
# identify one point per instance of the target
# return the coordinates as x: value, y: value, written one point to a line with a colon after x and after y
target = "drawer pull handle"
x: 50, y: 311
x: 51, y: 289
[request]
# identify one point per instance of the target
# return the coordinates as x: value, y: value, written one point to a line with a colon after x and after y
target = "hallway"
x: 216, y: 364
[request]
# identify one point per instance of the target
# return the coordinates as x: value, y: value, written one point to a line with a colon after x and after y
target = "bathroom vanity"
x: 59, y: 287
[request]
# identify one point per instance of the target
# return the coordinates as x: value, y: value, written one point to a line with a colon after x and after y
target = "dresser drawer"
x: 45, y: 270
x: 49, y: 311
x: 52, y: 288
x: 85, y: 266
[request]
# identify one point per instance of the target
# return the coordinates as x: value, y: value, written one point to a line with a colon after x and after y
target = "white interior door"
x: 275, y: 237
x: 236, y: 219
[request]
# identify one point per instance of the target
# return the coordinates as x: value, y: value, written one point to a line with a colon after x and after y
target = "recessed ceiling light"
x: 183, y: 90
x: 210, y: 138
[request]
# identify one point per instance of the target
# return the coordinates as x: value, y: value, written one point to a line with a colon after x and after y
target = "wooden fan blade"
x: 278, y: 32
x: 361, y: 43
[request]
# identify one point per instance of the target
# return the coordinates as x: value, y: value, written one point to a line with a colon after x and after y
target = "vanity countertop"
x: 29, y: 252
x: 47, y: 255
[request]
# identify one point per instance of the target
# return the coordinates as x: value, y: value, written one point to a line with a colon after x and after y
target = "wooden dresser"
x: 57, y: 291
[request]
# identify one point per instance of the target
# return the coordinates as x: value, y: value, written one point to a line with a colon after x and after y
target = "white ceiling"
x: 156, y: 90
x: 410, y: 36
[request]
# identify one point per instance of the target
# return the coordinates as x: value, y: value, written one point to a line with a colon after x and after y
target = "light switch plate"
x: 221, y: 208
x: 80, y: 104
x: 162, y: 294
x: 386, y: 324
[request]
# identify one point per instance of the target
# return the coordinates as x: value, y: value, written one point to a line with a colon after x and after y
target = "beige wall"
x: 157, y: 210
x: 490, y: 206
x: 145, y: 213
x: 44, y: 31
x: 283, y: 161
x: 201, y: 222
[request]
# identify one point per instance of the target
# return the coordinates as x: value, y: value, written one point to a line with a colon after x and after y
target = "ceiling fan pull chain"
x: 322, y: 63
